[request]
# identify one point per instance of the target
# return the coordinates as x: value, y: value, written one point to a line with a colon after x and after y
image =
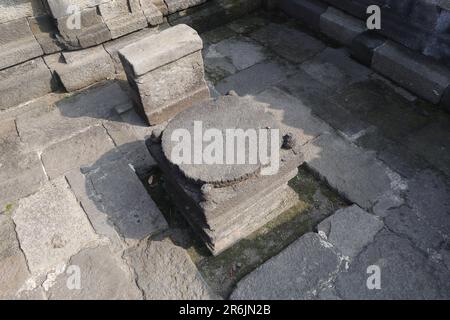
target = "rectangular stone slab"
x: 160, y: 49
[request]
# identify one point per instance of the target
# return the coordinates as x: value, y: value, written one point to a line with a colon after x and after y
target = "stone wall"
x: 38, y: 36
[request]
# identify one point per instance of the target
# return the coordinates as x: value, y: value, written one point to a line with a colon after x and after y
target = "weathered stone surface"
x: 288, y: 42
x: 350, y: 230
x: 122, y: 17
x: 46, y: 125
x: 294, y: 116
x: 160, y: 4
x: 61, y: 8
x: 412, y: 71
x: 405, y: 272
x: 255, y: 79
x: 82, y: 149
x: 251, y: 115
x: 51, y: 226
x: 151, y: 12
x: 295, y: 273
x: 13, y: 90
x: 114, y: 194
x: 178, y: 5
x: 45, y: 32
x: 160, y: 49
x: 363, y: 46
x: 243, y: 52
x: 17, y: 43
x: 13, y: 267
x: 79, y: 69
x: 307, y: 11
x: 165, y: 271
x: 93, y: 30
x: 247, y: 24
x: 356, y: 174
x: 103, y: 277
x: 16, y: 9
x: 217, y: 66
x: 113, y: 47
x: 335, y: 69
x: 341, y: 27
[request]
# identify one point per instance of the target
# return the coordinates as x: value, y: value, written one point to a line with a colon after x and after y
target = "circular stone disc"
x: 227, y: 112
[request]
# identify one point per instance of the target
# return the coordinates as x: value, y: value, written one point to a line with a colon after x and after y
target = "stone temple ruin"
x: 294, y: 143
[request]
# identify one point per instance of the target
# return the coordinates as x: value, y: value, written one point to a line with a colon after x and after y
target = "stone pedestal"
x: 166, y: 72
x: 226, y: 202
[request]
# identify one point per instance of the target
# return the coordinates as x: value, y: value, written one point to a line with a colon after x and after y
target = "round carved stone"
x: 227, y: 112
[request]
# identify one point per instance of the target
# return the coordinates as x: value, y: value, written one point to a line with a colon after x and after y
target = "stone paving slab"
x: 349, y: 230
x: 255, y: 79
x: 355, y: 173
x: 288, y: 42
x: 165, y: 271
x: 83, y: 149
x: 340, y: 26
x: 51, y: 227
x: 103, y: 277
x: 406, y: 273
x: 295, y: 273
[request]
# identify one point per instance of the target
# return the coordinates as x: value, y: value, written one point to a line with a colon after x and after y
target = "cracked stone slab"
x: 51, y: 226
x: 295, y: 273
x: 52, y: 123
x: 165, y: 271
x: 353, y: 172
x: 45, y: 32
x: 83, y: 149
x: 13, y: 268
x: 16, y: 9
x: 103, y: 277
x: 288, y: 42
x: 406, y: 273
x: 116, y: 202
x: 17, y: 43
x: 13, y: 90
x: 350, y: 230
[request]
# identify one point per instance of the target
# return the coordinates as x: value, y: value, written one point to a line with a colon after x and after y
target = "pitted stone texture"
x: 178, y: 5
x: 45, y: 32
x: 13, y: 267
x: 295, y: 273
x: 103, y: 277
x: 46, y: 125
x: 222, y: 114
x: 82, y: 149
x: 17, y: 43
x: 412, y: 71
x: 406, y: 273
x: 114, y: 196
x: 51, y: 227
x: 350, y: 230
x: 165, y: 271
x: 356, y: 173
x: 340, y: 26
x: 16, y: 9
x: 14, y: 90
x: 79, y: 69
x: 122, y: 17
x: 160, y: 49
x: 160, y: 4
x: 288, y: 42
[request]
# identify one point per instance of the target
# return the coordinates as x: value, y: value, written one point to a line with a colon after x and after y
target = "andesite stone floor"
x: 75, y: 180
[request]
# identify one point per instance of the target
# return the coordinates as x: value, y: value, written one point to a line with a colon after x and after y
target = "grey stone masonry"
x: 45, y: 32
x: 79, y: 69
x: 178, y: 5
x: 340, y: 26
x: 24, y: 82
x: 308, y: 11
x: 17, y: 43
x: 17, y: 9
x: 295, y: 273
x: 171, y: 58
x: 412, y: 71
